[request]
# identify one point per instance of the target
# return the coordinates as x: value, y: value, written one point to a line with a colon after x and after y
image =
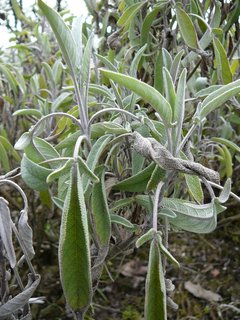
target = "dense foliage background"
x: 185, y: 52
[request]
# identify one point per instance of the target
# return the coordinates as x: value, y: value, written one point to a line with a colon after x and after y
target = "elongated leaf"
x: 169, y: 88
x: 4, y: 158
x: 49, y: 73
x: 20, y: 300
x: 167, y: 213
x: 157, y: 175
x: 94, y: 155
x: 74, y: 247
x: 69, y: 141
x: 60, y: 100
x: 18, y: 12
x: 148, y: 93
x: 85, y: 70
x: 147, y: 25
x: 59, y: 172
x: 77, y: 36
x: 121, y: 203
x: 136, y: 60
x: 222, y: 63
x: 103, y: 90
x: 225, y: 193
x: 122, y: 221
x: 179, y: 107
x: 9, y: 148
x: 10, y: 78
x: 137, y: 162
x: 6, y: 231
x: 194, y: 187
x: 233, y: 16
x: 189, y: 216
x: 63, y: 35
x: 145, y: 201
x: 165, y: 251
x: 129, y: 14
x: 57, y: 70
x: 25, y: 233
x: 83, y: 167
x: 28, y: 112
x: 175, y: 65
x: 155, y: 297
x: 145, y: 237
x: 227, y: 143
x: 100, y: 212
x: 58, y: 202
x: 107, y: 63
x: 186, y: 28
x: 111, y: 127
x: 136, y: 183
x: 228, y: 162
x: 206, y: 91
x: 158, y: 76
x: 34, y: 175
x: 219, y: 97
x: 167, y: 59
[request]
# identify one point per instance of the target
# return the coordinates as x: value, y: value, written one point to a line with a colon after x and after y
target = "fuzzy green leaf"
x: 129, y: 14
x: 157, y: 175
x: 33, y: 174
x: 59, y: 172
x: 9, y: 148
x: 63, y: 35
x: 227, y: 161
x: 179, y: 107
x: 94, y: 155
x: 100, y: 212
x: 186, y: 28
x: 155, y: 297
x: 227, y: 143
x: 10, y: 78
x: 122, y: 221
x: 28, y: 112
x: 222, y: 63
x: 147, y: 25
x: 166, y: 252
x: 145, y: 237
x: 74, y: 247
x: 4, y: 158
x: 23, y: 141
x: 169, y: 88
x: 148, y: 93
x: 225, y: 193
x: 194, y: 187
x: 192, y: 217
x: 219, y: 97
x: 136, y: 183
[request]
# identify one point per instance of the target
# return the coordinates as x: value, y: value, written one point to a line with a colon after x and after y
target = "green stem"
x: 156, y: 203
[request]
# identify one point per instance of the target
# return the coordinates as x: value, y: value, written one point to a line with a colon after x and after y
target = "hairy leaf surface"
x: 74, y: 248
